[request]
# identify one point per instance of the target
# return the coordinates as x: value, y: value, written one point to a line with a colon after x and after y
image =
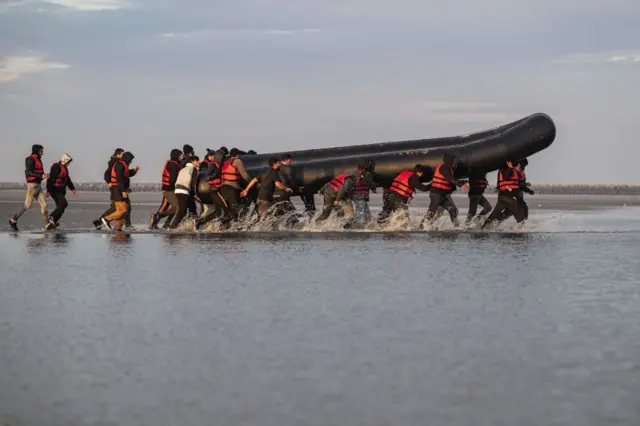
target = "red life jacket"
x: 38, y: 169
x: 217, y: 181
x: 521, y: 175
x: 479, y: 182
x: 439, y: 180
x: 400, y: 184
x: 61, y: 180
x: 362, y: 187
x: 230, y: 173
x: 114, y: 181
x: 165, y: 173
x: 338, y: 181
x: 510, y: 184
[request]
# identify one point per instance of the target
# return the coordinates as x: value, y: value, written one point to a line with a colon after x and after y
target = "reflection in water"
x: 43, y: 242
x: 121, y: 238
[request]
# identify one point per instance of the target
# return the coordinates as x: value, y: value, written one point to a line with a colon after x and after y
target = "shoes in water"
x: 106, y: 224
x: 97, y: 224
x: 13, y: 224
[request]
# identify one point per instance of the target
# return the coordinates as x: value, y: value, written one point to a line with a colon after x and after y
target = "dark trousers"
x: 506, y: 202
x: 392, y: 202
x: 474, y: 201
x: 183, y: 206
x: 232, y: 197
x: 221, y: 210
x: 522, y: 205
x: 61, y: 205
x: 191, y: 206
x: 438, y: 199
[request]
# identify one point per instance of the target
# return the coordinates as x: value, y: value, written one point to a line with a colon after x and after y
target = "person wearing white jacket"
x: 185, y: 188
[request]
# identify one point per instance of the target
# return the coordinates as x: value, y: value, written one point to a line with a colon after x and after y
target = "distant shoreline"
x: 577, y: 189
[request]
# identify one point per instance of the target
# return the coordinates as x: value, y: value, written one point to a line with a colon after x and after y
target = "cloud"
x: 90, y: 5
x: 198, y: 34
x: 613, y: 56
x: 14, y: 67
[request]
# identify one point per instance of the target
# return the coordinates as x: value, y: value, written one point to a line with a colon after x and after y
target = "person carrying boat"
x: 508, y: 193
x: 363, y: 187
x: 338, y: 193
x: 443, y: 185
x: 401, y: 192
x: 269, y: 181
x: 57, y: 184
x: 524, y: 187
x: 478, y: 183
x: 213, y: 175
x: 233, y: 172
x: 185, y: 188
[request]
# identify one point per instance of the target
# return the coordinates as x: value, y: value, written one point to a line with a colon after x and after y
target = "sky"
x: 87, y: 76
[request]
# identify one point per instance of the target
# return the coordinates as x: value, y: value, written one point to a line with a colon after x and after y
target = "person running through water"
x: 401, y: 192
x: 185, y: 188
x: 119, y: 184
x: 57, y: 184
x: 169, y: 205
x: 34, y: 173
x: 269, y: 181
x: 508, y: 193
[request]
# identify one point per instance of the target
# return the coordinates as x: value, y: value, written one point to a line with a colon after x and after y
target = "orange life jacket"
x: 166, y: 175
x: 61, y: 180
x: 114, y: 181
x: 338, y: 181
x: 439, y: 180
x: 230, y: 173
x: 38, y: 169
x: 401, y: 184
x: 509, y: 184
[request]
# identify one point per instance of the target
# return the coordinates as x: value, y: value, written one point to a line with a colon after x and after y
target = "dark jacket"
x: 286, y: 178
x: 53, y: 175
x: 173, y: 169
x: 123, y: 181
x: 29, y: 167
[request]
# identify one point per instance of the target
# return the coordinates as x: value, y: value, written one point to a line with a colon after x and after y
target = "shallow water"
x: 538, y: 327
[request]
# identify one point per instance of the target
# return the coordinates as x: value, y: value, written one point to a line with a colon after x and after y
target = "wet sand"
x: 87, y: 206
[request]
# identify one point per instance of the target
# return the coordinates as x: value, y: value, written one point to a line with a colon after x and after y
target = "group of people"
x: 220, y: 184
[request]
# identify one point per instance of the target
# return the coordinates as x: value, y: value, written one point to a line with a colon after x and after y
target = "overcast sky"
x: 87, y: 76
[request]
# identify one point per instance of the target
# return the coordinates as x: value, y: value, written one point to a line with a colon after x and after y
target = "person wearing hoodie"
x: 57, y: 184
x: 119, y: 187
x: 117, y: 156
x: 34, y: 173
x: 169, y: 204
x: 233, y: 172
x: 213, y: 174
x: 185, y: 188
x: 509, y: 190
x: 443, y: 185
